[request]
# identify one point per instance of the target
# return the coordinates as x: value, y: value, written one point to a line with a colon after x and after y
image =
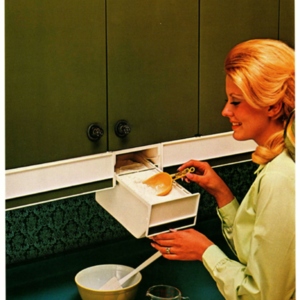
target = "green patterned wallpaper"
x: 58, y: 226
x: 55, y: 227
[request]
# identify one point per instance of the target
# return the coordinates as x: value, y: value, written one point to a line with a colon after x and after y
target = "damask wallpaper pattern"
x: 59, y: 226
x: 56, y: 227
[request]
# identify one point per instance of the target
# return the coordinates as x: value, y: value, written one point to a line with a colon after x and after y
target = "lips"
x: 235, y: 125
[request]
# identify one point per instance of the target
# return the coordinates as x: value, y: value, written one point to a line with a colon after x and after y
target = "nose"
x: 227, y: 112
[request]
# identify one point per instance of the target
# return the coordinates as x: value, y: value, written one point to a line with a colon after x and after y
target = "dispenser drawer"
x: 137, y: 207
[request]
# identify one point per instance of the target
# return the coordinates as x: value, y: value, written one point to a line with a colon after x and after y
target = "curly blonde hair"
x: 264, y: 70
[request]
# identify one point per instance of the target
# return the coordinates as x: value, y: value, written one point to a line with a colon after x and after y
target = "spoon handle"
x: 182, y: 173
x: 147, y: 262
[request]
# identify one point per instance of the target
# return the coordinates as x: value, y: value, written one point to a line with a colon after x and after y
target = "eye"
x: 234, y: 101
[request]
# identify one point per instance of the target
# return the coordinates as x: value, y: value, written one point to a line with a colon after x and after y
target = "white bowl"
x: 89, y: 281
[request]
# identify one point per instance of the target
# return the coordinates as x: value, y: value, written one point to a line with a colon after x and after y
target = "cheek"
x: 254, y: 128
x: 251, y: 115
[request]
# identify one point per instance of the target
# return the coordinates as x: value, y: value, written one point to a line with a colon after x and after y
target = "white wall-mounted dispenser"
x: 136, y: 205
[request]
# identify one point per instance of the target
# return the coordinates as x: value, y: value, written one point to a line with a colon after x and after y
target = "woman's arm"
x: 267, y: 265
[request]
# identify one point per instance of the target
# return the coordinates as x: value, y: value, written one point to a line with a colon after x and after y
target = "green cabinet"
x: 287, y: 22
x: 156, y: 64
x: 152, y: 51
x: 73, y: 63
x: 224, y: 24
x: 55, y: 56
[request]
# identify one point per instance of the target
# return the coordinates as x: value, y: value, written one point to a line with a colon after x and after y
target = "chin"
x: 239, y: 137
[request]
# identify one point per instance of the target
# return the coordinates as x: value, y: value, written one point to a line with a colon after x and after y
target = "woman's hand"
x: 187, y: 244
x: 208, y: 179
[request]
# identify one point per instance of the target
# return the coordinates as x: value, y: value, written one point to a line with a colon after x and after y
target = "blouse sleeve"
x: 227, y: 215
x: 269, y: 272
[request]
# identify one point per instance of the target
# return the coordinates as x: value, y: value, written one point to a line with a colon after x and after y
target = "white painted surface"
x: 52, y: 176
x: 203, y: 148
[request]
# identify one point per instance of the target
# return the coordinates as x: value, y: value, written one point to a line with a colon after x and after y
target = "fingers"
x: 167, y: 252
x: 190, y: 163
x: 164, y: 239
x: 191, y: 177
x: 200, y: 166
x: 187, y: 244
x: 164, y: 243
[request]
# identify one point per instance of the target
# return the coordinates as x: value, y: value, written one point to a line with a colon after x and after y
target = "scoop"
x: 163, y: 181
x: 115, y: 284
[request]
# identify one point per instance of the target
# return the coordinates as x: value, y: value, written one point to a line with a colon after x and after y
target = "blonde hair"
x: 264, y: 71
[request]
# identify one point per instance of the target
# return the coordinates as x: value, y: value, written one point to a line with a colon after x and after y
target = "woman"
x: 261, y: 230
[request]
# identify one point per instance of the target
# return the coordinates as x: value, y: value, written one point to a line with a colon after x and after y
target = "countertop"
x: 53, y: 278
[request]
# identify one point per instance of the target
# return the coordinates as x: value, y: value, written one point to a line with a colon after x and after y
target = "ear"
x: 275, y: 109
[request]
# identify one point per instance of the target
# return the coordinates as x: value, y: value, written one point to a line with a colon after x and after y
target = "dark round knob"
x: 95, y: 132
x: 122, y: 128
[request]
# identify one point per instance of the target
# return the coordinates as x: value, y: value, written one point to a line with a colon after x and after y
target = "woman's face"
x: 247, y: 122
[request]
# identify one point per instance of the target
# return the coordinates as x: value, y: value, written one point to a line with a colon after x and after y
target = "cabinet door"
x: 55, y: 79
x: 224, y: 24
x: 152, y: 70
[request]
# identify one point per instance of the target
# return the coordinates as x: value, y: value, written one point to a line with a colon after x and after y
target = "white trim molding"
x: 203, y: 148
x: 77, y: 171
x: 57, y: 175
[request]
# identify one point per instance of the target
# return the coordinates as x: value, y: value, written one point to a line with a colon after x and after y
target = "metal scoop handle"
x: 182, y: 173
